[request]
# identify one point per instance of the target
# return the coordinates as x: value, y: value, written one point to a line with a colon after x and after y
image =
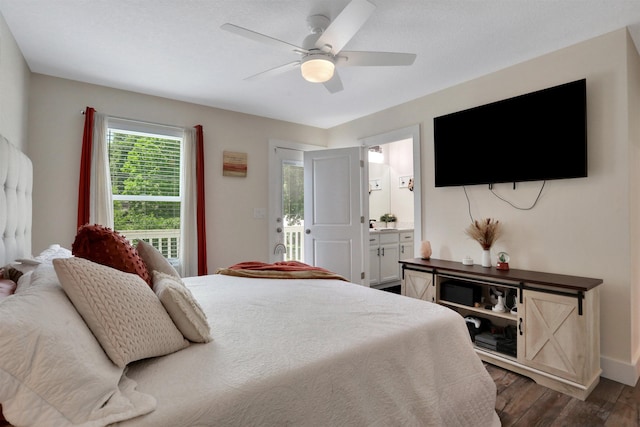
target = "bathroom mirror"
x: 389, y: 177
x: 379, y: 190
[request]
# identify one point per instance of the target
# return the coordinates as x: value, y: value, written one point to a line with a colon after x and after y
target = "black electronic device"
x: 497, y: 342
x: 460, y: 292
x: 477, y: 325
x: 487, y: 340
x: 508, y: 346
x: 537, y: 136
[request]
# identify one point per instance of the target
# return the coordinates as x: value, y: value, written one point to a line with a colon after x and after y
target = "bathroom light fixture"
x: 317, y: 67
x: 375, y: 154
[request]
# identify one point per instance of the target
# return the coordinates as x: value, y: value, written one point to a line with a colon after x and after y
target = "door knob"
x: 307, y: 231
x: 279, y: 230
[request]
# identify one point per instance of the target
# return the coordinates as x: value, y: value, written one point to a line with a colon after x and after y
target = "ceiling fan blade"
x: 334, y: 84
x: 345, y: 26
x: 275, y: 71
x: 352, y: 59
x: 263, y: 38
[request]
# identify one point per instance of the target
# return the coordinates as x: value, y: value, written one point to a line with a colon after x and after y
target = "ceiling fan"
x: 321, y: 51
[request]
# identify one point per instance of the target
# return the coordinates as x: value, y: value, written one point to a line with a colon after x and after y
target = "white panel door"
x: 333, y: 211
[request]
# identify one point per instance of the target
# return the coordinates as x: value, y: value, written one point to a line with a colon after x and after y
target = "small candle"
x: 425, y: 249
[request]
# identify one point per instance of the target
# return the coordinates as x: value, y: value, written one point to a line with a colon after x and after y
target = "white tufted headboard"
x: 16, y: 184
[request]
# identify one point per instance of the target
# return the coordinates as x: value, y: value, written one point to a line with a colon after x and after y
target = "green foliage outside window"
x: 144, y: 166
x: 293, y: 193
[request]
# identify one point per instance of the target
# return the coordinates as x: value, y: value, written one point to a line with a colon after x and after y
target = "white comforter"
x: 318, y: 353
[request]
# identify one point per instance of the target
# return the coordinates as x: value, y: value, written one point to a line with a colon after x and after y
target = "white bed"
x: 284, y: 352
x: 318, y: 352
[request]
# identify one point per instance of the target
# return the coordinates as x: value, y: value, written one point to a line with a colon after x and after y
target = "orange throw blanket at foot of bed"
x: 279, y: 270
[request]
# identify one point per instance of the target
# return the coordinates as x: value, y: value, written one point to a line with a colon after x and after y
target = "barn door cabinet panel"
x: 419, y: 284
x: 557, y: 338
x: 555, y: 322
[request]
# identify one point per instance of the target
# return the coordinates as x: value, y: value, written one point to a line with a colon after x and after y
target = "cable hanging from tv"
x: 519, y: 207
x: 528, y: 208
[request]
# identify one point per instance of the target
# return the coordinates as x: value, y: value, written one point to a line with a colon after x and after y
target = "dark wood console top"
x: 532, y: 277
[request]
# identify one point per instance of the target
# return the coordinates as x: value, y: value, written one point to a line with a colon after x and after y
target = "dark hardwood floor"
x: 523, y: 403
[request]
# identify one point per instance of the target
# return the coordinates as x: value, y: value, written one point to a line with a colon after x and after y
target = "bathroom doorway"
x: 391, y: 184
x: 395, y: 189
x: 409, y: 157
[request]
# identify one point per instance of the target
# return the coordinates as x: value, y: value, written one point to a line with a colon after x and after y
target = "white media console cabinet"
x: 556, y: 323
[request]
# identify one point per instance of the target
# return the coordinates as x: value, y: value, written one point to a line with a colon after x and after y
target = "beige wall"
x: 634, y: 197
x: 14, y: 88
x: 579, y: 226
x: 55, y: 141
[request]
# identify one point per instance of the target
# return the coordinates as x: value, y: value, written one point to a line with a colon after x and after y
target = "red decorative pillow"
x: 7, y: 287
x: 3, y: 421
x: 105, y: 246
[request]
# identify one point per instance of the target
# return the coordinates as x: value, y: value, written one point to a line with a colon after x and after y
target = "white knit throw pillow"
x: 120, y: 309
x: 184, y: 310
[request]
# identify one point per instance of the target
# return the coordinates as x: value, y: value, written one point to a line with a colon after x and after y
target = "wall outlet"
x: 403, y: 181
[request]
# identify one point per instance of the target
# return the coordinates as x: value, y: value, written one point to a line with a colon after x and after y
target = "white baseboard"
x: 621, y: 372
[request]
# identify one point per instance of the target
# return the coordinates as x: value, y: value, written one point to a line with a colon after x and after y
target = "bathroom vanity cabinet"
x: 386, y: 248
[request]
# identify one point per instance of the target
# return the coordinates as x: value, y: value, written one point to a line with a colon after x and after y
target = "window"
x: 144, y: 164
x: 293, y: 209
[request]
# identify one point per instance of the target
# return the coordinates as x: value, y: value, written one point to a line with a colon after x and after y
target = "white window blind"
x: 144, y: 165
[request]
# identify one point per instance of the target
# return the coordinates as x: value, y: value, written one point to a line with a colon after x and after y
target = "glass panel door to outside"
x: 293, y: 209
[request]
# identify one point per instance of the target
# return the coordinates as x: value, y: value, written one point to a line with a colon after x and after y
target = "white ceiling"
x: 176, y: 49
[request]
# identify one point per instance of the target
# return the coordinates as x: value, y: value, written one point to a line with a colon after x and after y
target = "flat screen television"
x: 538, y: 136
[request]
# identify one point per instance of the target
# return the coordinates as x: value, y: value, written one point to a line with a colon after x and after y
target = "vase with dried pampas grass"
x: 485, y: 231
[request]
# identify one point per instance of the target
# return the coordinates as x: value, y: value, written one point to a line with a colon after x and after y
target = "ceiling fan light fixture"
x: 317, y: 68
